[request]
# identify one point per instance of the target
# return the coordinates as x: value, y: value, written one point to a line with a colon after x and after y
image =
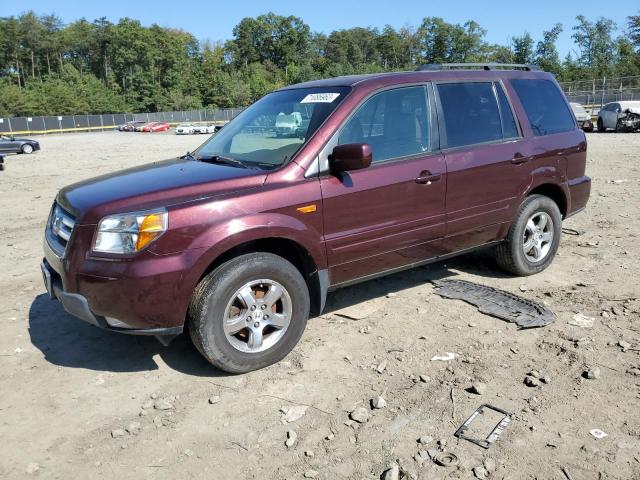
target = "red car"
x: 240, y: 241
x: 155, y: 127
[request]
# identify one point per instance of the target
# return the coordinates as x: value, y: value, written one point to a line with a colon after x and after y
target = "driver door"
x: 390, y: 214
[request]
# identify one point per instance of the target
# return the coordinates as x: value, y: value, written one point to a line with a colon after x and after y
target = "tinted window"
x: 509, y: 126
x: 470, y: 113
x: 545, y: 106
x: 395, y: 123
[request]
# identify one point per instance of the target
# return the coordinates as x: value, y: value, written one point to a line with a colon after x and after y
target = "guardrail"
x: 86, y: 123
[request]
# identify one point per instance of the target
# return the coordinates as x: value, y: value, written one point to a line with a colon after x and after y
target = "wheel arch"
x: 555, y: 193
x: 289, y: 249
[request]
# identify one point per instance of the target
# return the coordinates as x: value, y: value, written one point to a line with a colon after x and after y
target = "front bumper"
x: 78, y: 306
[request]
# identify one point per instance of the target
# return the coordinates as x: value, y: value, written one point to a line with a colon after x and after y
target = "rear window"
x: 545, y: 106
x: 470, y: 112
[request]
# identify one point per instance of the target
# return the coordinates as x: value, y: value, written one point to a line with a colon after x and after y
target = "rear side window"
x: 395, y: 123
x: 470, y: 112
x: 545, y: 106
x: 509, y: 126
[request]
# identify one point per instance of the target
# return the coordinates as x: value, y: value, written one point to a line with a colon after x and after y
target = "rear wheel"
x: 26, y: 148
x: 533, y: 238
x: 249, y: 313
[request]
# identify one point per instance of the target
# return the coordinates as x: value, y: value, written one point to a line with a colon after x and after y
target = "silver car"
x: 620, y: 116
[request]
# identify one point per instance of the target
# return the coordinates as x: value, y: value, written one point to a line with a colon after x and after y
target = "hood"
x: 165, y: 183
x: 635, y: 110
x: 582, y: 116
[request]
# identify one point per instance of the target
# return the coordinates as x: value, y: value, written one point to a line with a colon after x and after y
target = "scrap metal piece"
x: 446, y: 459
x: 497, y: 303
x: 495, y: 433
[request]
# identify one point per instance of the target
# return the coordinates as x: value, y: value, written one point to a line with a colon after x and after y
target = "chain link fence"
x: 594, y: 94
x: 85, y: 123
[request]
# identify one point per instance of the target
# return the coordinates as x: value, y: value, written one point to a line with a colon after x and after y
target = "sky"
x: 215, y: 20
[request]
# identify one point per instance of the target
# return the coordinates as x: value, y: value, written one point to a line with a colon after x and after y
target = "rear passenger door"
x: 390, y: 214
x: 487, y: 161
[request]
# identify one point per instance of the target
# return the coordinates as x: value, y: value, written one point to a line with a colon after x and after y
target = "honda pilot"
x: 240, y: 241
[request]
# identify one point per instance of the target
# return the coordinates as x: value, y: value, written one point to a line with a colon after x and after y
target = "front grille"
x: 59, y: 229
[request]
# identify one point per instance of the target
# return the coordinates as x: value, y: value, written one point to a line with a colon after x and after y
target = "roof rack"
x: 434, y: 67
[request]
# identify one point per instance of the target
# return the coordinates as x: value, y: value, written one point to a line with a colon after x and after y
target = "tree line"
x: 48, y: 67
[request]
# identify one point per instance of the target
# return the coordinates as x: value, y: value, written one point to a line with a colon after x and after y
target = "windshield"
x: 270, y: 132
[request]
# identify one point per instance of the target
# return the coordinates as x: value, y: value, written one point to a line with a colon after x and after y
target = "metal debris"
x: 493, y: 435
x: 446, y: 459
x: 497, y: 303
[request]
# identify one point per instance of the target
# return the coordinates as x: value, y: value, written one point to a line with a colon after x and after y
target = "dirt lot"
x: 67, y: 388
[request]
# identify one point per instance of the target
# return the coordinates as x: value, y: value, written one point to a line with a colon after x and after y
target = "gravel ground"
x: 77, y: 402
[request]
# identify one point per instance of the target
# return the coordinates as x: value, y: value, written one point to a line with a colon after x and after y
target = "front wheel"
x: 26, y: 148
x: 249, y: 313
x: 533, y: 238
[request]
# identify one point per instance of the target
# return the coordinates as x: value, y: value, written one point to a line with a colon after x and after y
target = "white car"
x: 185, y: 129
x: 620, y: 116
x: 206, y: 129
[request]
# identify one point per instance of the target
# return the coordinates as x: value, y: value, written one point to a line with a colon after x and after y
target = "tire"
x: 216, y: 294
x: 511, y: 255
x: 26, y: 149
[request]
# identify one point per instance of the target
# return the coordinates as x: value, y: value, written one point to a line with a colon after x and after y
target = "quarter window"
x: 395, y: 123
x: 509, y: 126
x: 545, y: 106
x: 470, y: 112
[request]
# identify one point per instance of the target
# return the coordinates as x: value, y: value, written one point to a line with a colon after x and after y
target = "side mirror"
x: 351, y: 156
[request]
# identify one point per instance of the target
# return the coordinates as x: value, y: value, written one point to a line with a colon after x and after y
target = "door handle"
x: 518, y: 158
x: 426, y: 177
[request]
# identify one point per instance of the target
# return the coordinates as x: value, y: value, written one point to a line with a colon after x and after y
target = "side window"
x: 395, y: 123
x: 470, y: 112
x: 545, y: 106
x: 509, y: 126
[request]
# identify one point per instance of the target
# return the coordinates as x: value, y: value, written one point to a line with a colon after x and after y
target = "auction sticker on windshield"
x: 320, y: 98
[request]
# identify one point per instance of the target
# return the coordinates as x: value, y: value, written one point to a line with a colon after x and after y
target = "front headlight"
x: 130, y: 232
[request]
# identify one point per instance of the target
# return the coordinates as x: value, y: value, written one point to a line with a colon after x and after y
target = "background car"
x: 185, y: 129
x: 206, y: 129
x: 582, y: 117
x: 130, y: 126
x: 157, y: 127
x: 620, y: 116
x: 288, y: 125
x: 11, y: 144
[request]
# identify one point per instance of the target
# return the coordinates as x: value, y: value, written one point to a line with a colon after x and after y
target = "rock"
x: 616, y: 310
x: 292, y: 414
x: 480, y: 472
x: 292, y: 437
x: 154, y: 396
x: 148, y: 404
x: 421, y: 457
x: 311, y: 474
x: 634, y: 371
x: 546, y: 379
x: 32, y: 468
x: 392, y: 473
x: 118, y: 433
x: 360, y: 415
x: 163, y: 404
x: 214, y: 399
x: 442, y: 442
x: 581, y: 320
x: 624, y: 345
x: 490, y: 465
x: 591, y: 373
x: 531, y: 381
x: 309, y: 454
x: 605, y: 314
x: 330, y: 437
x: 425, y: 378
x: 381, y: 367
x: 425, y: 439
x: 392, y: 294
x: 378, y: 402
x: 478, y: 388
x: 134, y: 428
x: 534, y: 374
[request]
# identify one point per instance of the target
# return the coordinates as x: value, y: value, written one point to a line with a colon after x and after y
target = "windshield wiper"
x: 222, y: 160
x: 188, y: 156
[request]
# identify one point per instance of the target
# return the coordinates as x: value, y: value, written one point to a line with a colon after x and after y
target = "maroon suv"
x: 241, y: 240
